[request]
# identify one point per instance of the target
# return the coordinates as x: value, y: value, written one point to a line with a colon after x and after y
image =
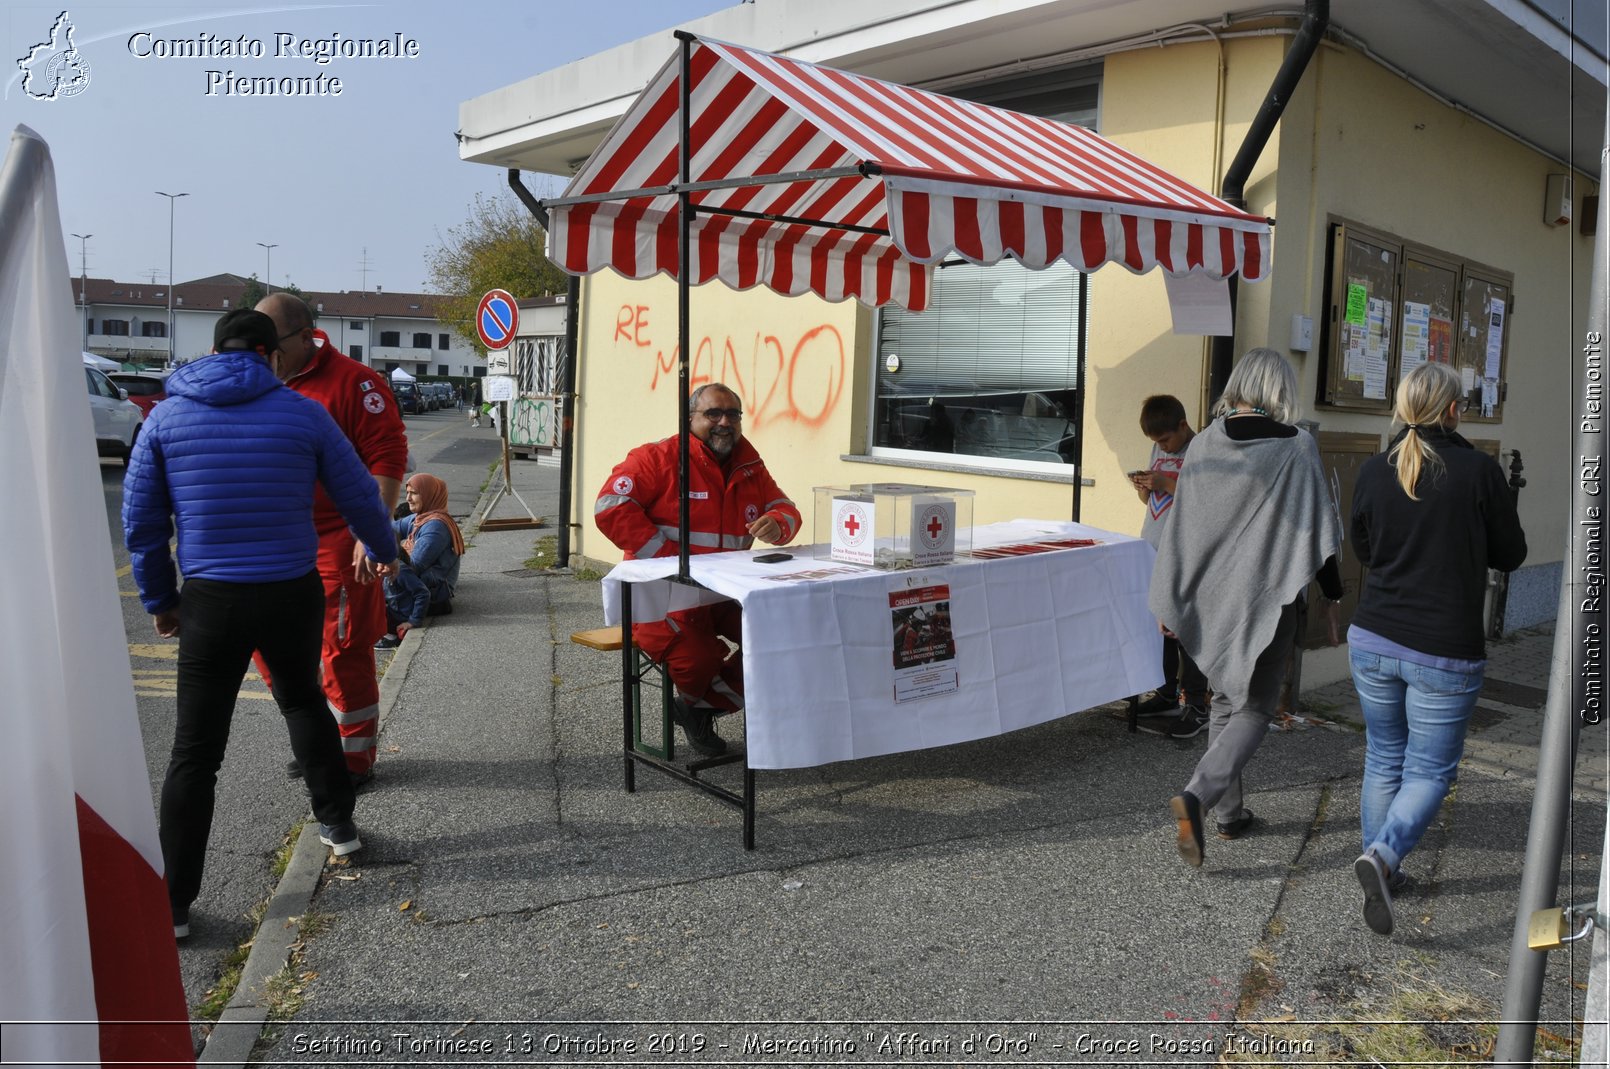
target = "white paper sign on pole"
x: 498, y: 362
x: 498, y: 388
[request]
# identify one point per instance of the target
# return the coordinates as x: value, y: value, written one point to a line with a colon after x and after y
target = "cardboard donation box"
x: 893, y: 525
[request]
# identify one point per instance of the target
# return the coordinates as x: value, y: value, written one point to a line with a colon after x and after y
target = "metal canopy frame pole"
x: 1080, y: 345
x: 684, y: 257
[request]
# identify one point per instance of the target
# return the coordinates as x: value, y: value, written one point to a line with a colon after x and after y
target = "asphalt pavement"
x: 1016, y: 900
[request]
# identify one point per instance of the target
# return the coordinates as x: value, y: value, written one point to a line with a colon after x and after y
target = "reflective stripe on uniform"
x: 608, y: 501
x: 650, y: 548
x: 357, y: 743
x: 357, y: 716
x: 707, y: 539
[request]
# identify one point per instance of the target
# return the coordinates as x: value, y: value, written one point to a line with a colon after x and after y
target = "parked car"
x: 145, y: 388
x: 410, y: 401
x: 117, y: 419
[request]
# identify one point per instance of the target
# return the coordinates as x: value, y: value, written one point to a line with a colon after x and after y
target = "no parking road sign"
x: 496, y: 319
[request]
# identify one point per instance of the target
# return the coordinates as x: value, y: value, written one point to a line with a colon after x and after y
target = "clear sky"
x: 370, y: 177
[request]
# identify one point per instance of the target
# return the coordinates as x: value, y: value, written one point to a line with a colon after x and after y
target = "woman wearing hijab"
x: 432, y: 547
x: 1430, y: 516
x: 1254, y: 523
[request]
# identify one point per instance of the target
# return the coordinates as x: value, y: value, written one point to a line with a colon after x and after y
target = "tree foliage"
x: 255, y: 291
x: 500, y: 246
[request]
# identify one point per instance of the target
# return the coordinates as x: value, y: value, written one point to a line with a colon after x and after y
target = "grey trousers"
x: 1235, y: 733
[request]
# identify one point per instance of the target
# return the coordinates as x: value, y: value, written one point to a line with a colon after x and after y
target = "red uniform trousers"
x: 688, y: 644
x: 354, y: 620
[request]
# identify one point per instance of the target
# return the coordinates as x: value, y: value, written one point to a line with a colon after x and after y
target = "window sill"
x: 966, y: 469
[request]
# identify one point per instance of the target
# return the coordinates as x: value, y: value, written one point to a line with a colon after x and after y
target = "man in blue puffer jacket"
x: 234, y: 456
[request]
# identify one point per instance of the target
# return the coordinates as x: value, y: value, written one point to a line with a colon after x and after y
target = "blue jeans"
x: 1415, y: 718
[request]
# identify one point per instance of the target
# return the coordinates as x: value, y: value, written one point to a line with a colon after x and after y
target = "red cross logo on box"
x: 852, y: 521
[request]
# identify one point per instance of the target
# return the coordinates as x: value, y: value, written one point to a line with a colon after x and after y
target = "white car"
x: 117, y: 419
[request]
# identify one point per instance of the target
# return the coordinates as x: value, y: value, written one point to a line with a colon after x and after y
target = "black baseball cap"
x: 245, y: 329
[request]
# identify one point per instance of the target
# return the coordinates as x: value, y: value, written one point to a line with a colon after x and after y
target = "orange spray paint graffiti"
x: 779, y: 379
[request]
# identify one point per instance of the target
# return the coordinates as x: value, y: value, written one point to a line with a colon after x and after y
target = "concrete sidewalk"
x: 1017, y: 893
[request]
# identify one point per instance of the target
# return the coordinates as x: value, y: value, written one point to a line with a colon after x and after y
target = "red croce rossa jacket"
x: 637, y: 507
x: 359, y: 399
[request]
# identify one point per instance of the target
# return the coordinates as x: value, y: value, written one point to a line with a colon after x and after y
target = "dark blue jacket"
x: 234, y: 455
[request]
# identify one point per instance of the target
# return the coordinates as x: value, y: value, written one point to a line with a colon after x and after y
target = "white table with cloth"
x: 1039, y: 633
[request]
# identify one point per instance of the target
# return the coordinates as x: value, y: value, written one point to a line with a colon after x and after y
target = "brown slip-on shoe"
x: 1188, y: 813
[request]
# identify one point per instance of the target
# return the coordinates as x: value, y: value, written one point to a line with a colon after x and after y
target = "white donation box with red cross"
x: 893, y: 525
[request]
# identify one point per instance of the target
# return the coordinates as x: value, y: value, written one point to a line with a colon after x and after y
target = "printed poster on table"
x: 923, y: 644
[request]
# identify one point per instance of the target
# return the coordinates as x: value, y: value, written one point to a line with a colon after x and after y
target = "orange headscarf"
x: 432, y: 494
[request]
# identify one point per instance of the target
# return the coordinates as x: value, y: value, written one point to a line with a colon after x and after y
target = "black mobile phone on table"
x: 772, y: 558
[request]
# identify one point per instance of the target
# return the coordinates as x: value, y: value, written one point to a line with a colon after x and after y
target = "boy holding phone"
x: 1162, y: 420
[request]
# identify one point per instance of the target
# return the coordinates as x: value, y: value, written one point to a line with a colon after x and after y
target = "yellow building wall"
x: 1164, y: 104
x: 1360, y: 144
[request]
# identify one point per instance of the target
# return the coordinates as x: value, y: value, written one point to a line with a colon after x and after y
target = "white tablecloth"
x: 1037, y: 636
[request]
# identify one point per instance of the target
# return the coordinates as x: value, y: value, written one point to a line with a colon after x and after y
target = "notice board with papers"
x: 1392, y: 305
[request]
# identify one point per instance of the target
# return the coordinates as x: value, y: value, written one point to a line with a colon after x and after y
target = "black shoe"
x: 1372, y: 877
x: 293, y: 769
x: 1401, y: 882
x: 388, y: 642
x: 699, y: 727
x: 1159, y: 724
x: 1238, y: 827
x: 1160, y: 703
x: 1192, y: 722
x: 361, y: 779
x: 1188, y: 813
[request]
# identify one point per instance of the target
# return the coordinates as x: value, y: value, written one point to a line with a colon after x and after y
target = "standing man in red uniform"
x: 732, y: 501
x: 359, y: 400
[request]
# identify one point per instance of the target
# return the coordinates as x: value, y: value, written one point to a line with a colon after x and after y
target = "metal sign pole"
x: 1575, y: 697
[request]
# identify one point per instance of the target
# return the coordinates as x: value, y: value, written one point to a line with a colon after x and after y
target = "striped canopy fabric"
x: 919, y: 177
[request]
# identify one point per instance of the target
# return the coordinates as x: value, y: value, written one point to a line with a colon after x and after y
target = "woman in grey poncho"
x: 1254, y: 522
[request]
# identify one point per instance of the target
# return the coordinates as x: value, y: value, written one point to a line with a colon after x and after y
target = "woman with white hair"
x: 1430, y: 516
x: 1254, y: 523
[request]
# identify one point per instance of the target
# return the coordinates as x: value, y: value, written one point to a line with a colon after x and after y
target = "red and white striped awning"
x: 911, y: 178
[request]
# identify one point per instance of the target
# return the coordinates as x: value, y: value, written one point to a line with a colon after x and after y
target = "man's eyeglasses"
x: 1464, y: 406
x: 714, y: 415
x: 292, y: 334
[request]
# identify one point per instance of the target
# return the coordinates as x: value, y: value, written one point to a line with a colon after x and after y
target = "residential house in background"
x: 1433, y: 175
x: 128, y: 321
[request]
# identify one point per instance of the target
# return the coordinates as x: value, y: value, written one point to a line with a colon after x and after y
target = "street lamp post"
x: 83, y: 281
x: 268, y: 269
x: 171, y: 198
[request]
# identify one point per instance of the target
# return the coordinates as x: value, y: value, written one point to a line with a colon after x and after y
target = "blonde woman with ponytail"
x: 1430, y: 516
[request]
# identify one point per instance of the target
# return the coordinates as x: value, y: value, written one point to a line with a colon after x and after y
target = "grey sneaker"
x: 342, y: 838
x: 1371, y: 874
x: 1192, y: 722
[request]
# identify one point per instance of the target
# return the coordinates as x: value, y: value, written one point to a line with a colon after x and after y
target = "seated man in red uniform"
x: 732, y: 501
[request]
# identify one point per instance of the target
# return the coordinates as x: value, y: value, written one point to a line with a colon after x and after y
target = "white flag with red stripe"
x: 90, y: 971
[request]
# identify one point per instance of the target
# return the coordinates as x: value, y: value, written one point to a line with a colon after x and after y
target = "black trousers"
x: 220, y: 624
x: 1178, y: 666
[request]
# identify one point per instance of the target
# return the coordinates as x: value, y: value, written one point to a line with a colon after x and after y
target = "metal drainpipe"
x: 1316, y: 17
x: 567, y: 388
